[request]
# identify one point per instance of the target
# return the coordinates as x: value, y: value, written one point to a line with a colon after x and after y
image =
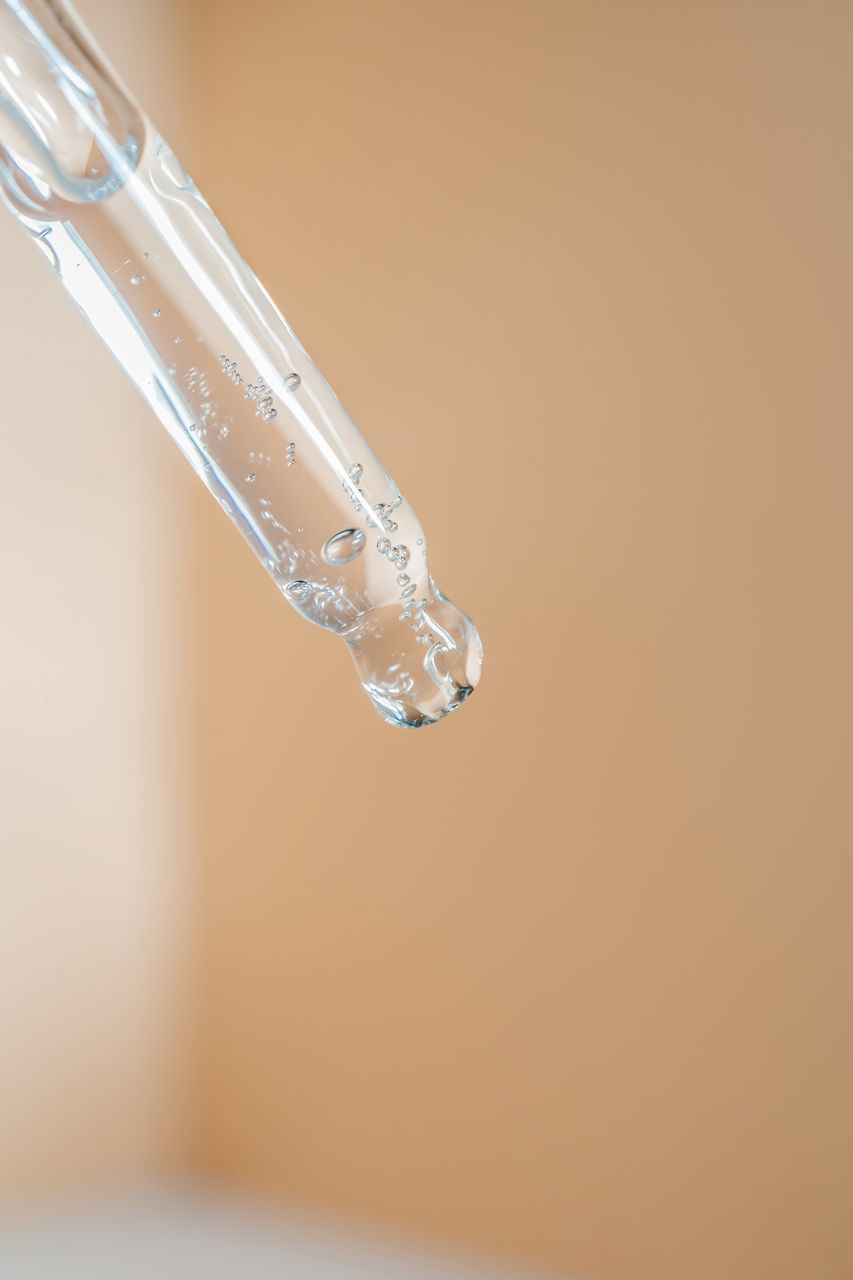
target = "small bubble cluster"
x: 414, y: 614
x: 291, y: 454
x: 197, y: 385
x: 229, y: 368
x: 399, y: 556
x: 384, y: 511
x: 137, y: 279
x: 413, y: 609
x: 262, y: 396
x: 266, y: 514
x: 356, y: 471
x: 197, y: 381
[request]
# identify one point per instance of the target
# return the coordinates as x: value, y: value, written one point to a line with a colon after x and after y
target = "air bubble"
x: 177, y: 340
x: 250, y: 477
x: 292, y: 381
x: 383, y: 545
x: 344, y: 546
x: 299, y: 590
x: 157, y: 314
x: 383, y: 510
x: 136, y: 279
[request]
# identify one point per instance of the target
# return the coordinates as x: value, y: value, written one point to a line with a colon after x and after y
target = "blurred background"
x: 562, y: 985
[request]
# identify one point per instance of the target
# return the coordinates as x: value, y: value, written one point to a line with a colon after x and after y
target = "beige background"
x: 567, y: 978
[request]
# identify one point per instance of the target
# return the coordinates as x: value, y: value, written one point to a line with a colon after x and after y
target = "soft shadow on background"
x: 565, y: 979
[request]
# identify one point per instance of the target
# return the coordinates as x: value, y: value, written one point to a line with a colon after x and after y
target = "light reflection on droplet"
x: 344, y: 546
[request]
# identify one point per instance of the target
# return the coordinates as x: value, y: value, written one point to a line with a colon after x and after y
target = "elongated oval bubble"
x: 344, y: 546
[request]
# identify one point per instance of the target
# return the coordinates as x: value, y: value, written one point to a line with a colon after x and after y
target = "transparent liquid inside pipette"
x: 157, y: 277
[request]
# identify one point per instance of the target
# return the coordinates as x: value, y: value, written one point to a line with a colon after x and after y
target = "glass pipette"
x: 139, y: 250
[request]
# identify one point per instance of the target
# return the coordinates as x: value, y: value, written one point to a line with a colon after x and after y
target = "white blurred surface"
x: 188, y: 1235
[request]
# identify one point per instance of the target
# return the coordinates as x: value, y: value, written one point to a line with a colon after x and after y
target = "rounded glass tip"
x: 418, y: 665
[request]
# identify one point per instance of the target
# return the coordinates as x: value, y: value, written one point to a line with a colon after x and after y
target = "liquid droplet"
x: 299, y: 590
x: 292, y: 381
x: 344, y: 546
